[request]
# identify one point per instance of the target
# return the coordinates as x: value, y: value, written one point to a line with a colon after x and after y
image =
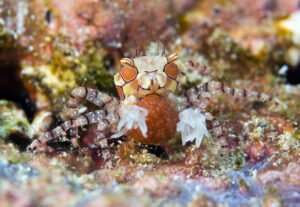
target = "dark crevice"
x: 12, y: 89
x: 18, y: 140
x: 59, y: 146
x: 293, y: 75
x: 156, y: 150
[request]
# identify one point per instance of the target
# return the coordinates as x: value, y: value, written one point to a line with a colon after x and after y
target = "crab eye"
x: 128, y: 73
x: 171, y: 70
x: 127, y: 61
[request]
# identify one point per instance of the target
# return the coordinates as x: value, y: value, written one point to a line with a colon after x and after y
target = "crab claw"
x: 40, y: 147
x: 172, y: 58
x: 132, y: 117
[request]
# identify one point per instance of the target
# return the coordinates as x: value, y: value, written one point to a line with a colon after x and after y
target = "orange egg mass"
x: 161, y: 121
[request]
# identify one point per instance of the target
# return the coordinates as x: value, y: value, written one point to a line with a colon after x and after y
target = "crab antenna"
x: 136, y: 49
x: 164, y: 49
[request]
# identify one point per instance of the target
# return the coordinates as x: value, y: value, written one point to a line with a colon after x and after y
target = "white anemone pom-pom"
x: 132, y: 116
x: 192, y: 126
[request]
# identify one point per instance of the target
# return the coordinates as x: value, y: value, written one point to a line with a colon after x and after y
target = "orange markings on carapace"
x: 128, y: 73
x: 134, y: 84
x: 118, y: 77
x: 120, y: 92
x: 171, y: 70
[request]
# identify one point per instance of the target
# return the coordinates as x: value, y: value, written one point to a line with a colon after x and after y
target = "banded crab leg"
x: 216, y: 126
x: 82, y: 93
x: 218, y: 132
x: 88, y: 118
x: 73, y: 108
x: 103, y: 118
x: 101, y: 136
x: 98, y: 98
x: 101, y: 140
x: 201, y: 95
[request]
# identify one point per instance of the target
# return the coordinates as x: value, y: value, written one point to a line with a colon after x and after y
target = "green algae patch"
x: 92, y: 72
x: 7, y: 40
x: 296, y: 134
x: 67, y: 69
x: 13, y: 120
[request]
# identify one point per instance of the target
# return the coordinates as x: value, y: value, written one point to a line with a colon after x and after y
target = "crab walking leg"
x: 94, y: 96
x: 72, y: 106
x: 86, y: 119
x: 218, y: 133
x: 200, y: 69
x: 74, y: 136
x: 200, y: 95
x: 217, y: 129
x: 101, y: 140
x: 216, y: 126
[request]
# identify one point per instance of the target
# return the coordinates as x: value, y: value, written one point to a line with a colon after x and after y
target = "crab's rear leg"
x: 201, y: 95
x: 88, y: 118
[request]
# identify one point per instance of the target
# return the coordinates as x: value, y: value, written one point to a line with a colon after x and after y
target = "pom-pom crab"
x: 148, y: 110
